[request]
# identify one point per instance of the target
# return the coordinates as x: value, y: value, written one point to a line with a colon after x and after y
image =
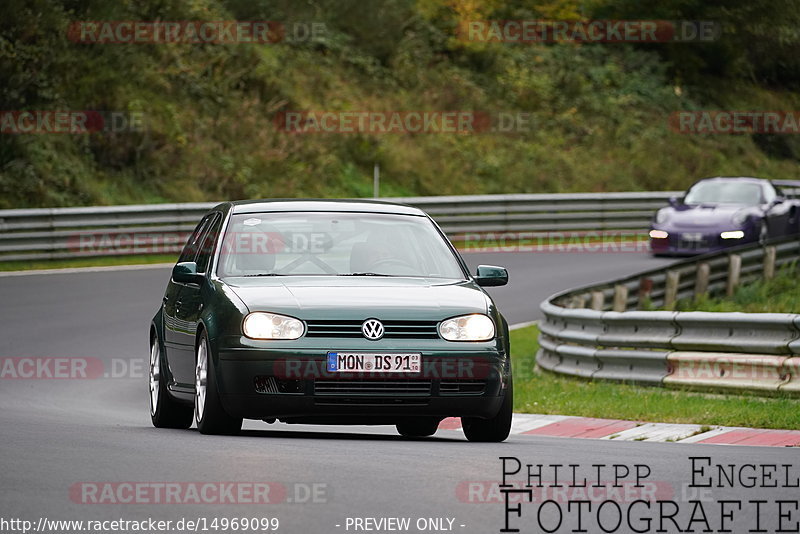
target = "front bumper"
x: 690, y: 243
x: 293, y: 384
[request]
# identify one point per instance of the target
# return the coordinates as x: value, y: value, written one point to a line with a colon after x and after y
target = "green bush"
x: 599, y: 111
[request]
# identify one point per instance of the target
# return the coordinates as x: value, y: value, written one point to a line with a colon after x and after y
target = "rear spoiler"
x: 789, y: 188
x: 791, y: 184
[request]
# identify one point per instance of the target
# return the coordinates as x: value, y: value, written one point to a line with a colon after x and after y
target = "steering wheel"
x: 389, y: 262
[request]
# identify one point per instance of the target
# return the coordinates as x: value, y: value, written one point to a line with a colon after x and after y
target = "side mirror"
x: 491, y: 276
x: 777, y: 200
x: 673, y: 201
x: 186, y: 273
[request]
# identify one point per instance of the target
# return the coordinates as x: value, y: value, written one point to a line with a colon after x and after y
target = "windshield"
x: 335, y: 244
x: 717, y: 192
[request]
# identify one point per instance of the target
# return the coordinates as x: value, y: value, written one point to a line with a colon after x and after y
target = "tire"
x: 209, y: 415
x: 497, y: 428
x: 418, y: 429
x: 165, y: 412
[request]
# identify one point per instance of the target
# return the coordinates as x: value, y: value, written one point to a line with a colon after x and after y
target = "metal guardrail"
x: 709, y: 274
x: 55, y: 233
x: 589, y: 332
x: 542, y: 212
x: 36, y: 234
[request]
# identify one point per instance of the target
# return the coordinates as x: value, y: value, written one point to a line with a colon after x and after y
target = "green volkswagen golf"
x: 328, y: 312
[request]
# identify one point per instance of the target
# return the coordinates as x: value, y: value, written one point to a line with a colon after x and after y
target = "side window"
x: 208, y: 242
x: 190, y: 249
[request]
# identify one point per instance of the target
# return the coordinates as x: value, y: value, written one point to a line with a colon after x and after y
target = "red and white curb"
x: 614, y: 429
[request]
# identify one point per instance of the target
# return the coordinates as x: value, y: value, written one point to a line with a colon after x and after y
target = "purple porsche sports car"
x: 722, y: 212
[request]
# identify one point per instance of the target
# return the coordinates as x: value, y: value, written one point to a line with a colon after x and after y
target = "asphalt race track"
x: 70, y: 442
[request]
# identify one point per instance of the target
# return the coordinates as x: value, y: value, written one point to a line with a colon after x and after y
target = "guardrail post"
x: 620, y: 298
x: 598, y: 300
x: 770, y: 255
x: 645, y: 287
x: 734, y: 273
x: 701, y: 279
x: 671, y: 288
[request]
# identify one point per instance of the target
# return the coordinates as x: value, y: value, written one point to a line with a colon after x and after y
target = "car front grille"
x: 380, y: 388
x: 393, y: 329
x: 372, y: 401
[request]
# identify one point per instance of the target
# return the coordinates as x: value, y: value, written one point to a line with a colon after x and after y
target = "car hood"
x: 323, y: 297
x: 702, y: 216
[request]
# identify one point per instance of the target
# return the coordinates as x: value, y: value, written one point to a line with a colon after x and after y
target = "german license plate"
x: 370, y: 362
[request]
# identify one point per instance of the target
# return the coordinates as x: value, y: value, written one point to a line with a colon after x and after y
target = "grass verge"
x: 780, y: 294
x: 537, y: 391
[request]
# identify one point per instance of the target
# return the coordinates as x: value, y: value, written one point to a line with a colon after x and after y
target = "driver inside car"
x: 376, y: 256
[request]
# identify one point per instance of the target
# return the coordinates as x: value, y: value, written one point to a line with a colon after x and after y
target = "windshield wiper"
x: 363, y: 274
x: 263, y: 274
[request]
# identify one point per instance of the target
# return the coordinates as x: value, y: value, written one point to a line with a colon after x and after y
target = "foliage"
x: 599, y: 112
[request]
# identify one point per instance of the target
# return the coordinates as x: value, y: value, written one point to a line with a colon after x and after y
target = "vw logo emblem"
x: 372, y: 329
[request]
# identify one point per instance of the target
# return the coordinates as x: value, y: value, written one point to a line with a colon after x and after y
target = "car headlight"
x: 740, y: 217
x: 261, y: 325
x: 474, y: 327
x: 734, y: 234
x: 658, y: 234
x: 662, y: 216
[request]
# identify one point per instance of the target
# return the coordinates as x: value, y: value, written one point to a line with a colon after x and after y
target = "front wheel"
x: 165, y: 412
x: 209, y: 415
x: 495, y: 429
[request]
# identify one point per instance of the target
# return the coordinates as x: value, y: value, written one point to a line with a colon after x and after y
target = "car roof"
x: 339, y: 205
x: 735, y: 179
